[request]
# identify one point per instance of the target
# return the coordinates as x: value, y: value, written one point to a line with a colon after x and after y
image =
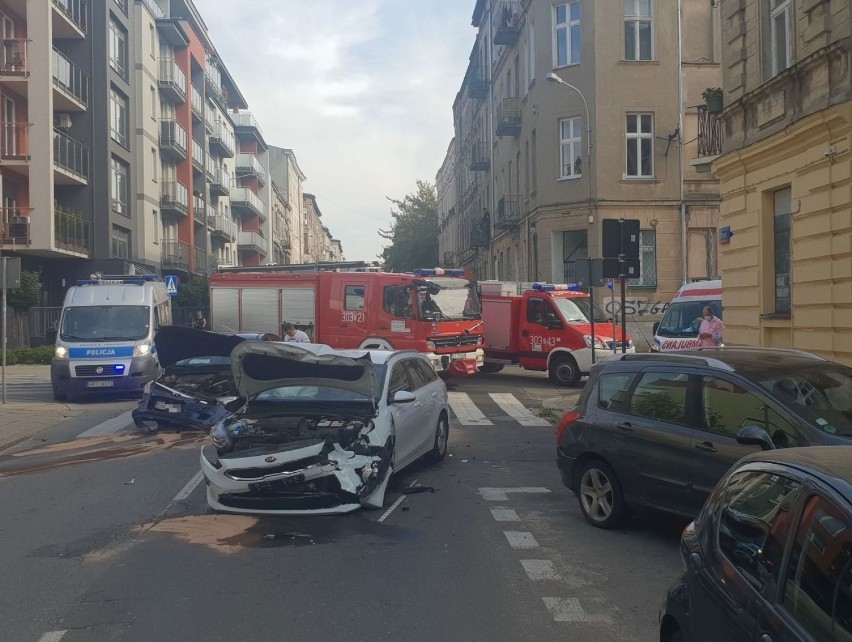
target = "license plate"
x: 106, y: 383
x: 162, y: 405
x: 277, y: 484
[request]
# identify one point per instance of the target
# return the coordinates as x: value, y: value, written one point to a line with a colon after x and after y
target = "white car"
x: 322, y: 430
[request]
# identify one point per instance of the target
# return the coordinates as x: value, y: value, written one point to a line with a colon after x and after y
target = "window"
x: 613, y: 391
x: 118, y: 48
x: 397, y: 301
x: 118, y: 117
x: 638, y: 30
x: 570, y: 135
x: 527, y: 166
x: 566, y: 35
x: 123, y: 5
x: 156, y: 229
x: 647, y: 260
x: 754, y: 523
x: 154, y: 103
x: 779, y: 35
x: 781, y: 233
x: 152, y: 41
x: 120, y: 187
x: 426, y: 370
x: 661, y: 396
x: 398, y: 380
x: 354, y: 297
x: 640, y: 145
x: 155, y: 161
x: 533, y: 157
x: 531, y: 54
x: 418, y: 379
x: 818, y: 586
x: 120, y: 243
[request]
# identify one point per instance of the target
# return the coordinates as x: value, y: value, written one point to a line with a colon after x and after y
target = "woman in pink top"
x: 711, y: 329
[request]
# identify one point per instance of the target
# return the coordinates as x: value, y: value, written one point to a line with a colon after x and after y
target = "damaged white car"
x: 322, y: 430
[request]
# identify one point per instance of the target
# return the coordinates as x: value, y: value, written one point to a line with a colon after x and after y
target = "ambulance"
x: 678, y: 328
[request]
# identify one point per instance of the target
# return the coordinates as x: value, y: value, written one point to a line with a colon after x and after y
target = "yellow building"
x: 786, y: 175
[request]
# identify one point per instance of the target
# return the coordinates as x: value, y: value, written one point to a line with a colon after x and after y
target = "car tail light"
x: 569, y: 418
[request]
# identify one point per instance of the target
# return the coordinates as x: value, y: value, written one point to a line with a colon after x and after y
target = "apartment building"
x: 535, y: 166
x: 785, y: 173
x: 282, y: 217
x: 315, y: 238
x: 288, y: 178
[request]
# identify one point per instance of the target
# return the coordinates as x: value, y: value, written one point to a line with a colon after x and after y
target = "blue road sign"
x: 171, y: 285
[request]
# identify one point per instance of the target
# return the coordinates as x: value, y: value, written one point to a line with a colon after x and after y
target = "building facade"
x: 288, y: 178
x: 535, y: 166
x: 785, y: 175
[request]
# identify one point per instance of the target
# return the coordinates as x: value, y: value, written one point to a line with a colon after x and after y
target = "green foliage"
x: 414, y: 231
x: 192, y: 294
x: 27, y: 295
x: 40, y: 356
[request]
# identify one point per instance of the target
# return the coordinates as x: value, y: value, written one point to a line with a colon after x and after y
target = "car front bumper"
x: 138, y: 371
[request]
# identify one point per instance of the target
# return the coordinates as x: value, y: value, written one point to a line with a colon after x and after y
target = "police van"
x: 105, y: 338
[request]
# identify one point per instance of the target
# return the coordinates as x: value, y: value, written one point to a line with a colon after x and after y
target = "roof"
x: 831, y: 464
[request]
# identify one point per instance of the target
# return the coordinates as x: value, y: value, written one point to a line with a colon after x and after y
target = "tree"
x: 414, y: 231
x: 22, y: 298
x: 193, y: 294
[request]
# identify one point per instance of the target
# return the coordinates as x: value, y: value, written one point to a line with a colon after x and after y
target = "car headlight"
x: 142, y: 349
x: 61, y: 352
x: 596, y: 341
x: 655, y: 347
x: 221, y: 438
x: 430, y: 345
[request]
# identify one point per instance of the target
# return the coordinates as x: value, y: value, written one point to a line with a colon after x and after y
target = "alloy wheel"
x: 596, y: 494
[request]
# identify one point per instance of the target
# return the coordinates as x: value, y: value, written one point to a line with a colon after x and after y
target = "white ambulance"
x: 679, y: 326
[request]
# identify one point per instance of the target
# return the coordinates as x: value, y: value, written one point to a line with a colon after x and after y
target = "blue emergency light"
x: 437, y: 272
x: 551, y: 287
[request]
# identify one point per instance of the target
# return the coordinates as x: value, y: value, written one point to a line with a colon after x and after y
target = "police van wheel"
x: 564, y: 372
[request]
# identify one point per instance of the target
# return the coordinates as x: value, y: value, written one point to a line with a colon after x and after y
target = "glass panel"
x: 780, y: 28
x: 630, y: 40
x: 630, y: 8
x: 647, y: 160
x: 575, y: 44
x: 561, y: 14
x: 661, y: 396
x: 645, y: 8
x: 631, y: 123
x: 644, y: 41
x: 631, y: 157
x: 613, y: 390
x: 782, y: 222
x: 575, y: 11
x: 562, y: 47
x: 647, y: 126
x: 354, y: 297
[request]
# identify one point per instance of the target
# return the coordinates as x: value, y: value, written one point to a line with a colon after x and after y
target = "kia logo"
x: 269, y: 460
x: 99, y: 369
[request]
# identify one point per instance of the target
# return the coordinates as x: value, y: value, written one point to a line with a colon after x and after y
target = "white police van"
x: 105, y: 339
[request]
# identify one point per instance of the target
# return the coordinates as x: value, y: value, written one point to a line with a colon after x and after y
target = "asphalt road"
x: 108, y: 537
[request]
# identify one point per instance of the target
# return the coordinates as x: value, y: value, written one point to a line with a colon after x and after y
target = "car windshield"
x: 105, y: 323
x: 820, y: 393
x: 448, y: 299
x: 683, y: 318
x: 578, y: 310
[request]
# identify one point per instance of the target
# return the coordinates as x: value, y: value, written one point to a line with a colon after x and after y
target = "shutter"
x: 298, y: 306
x: 224, y: 309
x: 260, y: 310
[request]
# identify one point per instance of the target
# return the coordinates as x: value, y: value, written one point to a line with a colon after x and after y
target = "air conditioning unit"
x: 62, y: 121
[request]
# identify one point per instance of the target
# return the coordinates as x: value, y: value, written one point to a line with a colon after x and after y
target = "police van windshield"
x: 448, y: 300
x: 683, y: 318
x: 105, y: 323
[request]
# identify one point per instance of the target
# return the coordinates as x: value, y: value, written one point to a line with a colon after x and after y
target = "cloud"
x: 361, y: 91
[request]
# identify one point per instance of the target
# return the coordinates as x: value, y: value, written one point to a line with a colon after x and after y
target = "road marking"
x: 520, y: 539
x: 502, y: 494
x: 52, y: 636
x: 505, y: 515
x: 516, y: 410
x: 541, y: 570
x: 186, y: 491
x: 565, y: 609
x: 109, y: 426
x: 466, y: 411
x: 393, y: 507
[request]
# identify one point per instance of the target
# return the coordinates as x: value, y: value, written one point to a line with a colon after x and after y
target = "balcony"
x: 480, y: 236
x: 213, y: 77
x: 197, y: 104
x: 209, y: 167
x: 211, y: 117
x: 154, y: 8
x: 222, y: 140
x: 479, y: 157
x: 175, y: 255
x: 14, y: 143
x: 197, y: 156
x: 200, y: 263
x: 508, y: 212
x: 71, y: 232
x: 223, y: 227
x: 477, y: 82
x: 70, y: 84
x: 507, y: 23
x: 15, y: 228
x: 199, y: 210
x: 509, y: 117
x: 70, y: 160
x: 246, y: 202
x: 173, y: 139
x: 253, y: 242
x: 174, y: 198
x: 172, y: 80
x: 13, y: 60
x: 709, y: 135
x: 246, y: 127
x: 220, y: 184
x: 70, y: 18
x: 248, y: 165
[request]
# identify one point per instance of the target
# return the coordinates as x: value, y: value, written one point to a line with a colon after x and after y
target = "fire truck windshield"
x: 447, y: 299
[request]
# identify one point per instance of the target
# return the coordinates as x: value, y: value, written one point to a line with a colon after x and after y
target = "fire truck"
x: 546, y: 327
x: 435, y: 311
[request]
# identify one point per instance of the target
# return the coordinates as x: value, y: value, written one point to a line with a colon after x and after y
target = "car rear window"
x: 614, y: 390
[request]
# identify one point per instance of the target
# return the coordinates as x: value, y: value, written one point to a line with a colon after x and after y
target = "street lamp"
x: 553, y: 78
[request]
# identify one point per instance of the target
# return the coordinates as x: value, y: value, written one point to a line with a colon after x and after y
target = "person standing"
x: 711, y: 329
x: 292, y: 335
x: 199, y: 322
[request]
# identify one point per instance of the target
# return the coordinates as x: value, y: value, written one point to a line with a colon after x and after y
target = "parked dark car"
x: 197, y: 383
x: 659, y: 430
x: 770, y: 555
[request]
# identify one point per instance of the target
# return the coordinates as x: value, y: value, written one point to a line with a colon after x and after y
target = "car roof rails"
x: 673, y: 356
x: 759, y: 349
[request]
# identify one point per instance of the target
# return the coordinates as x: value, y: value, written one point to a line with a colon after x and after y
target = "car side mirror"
x: 755, y: 436
x: 404, y: 396
x: 655, y: 327
x: 553, y: 324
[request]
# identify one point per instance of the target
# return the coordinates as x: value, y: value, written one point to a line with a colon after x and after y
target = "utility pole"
x: 3, y: 322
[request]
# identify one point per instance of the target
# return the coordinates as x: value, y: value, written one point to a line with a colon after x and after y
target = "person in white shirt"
x: 292, y: 335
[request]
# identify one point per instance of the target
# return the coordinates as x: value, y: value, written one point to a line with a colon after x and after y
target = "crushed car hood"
x: 175, y: 343
x: 261, y: 365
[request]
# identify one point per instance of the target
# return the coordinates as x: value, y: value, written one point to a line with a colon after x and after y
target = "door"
x: 541, y: 330
x: 406, y: 416
x: 352, y: 321
x: 395, y: 319
x: 424, y: 380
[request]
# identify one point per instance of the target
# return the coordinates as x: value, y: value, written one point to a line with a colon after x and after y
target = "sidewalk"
x: 558, y: 400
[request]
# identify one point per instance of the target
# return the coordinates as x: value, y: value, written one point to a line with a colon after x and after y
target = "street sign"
x: 620, y: 238
x: 628, y: 268
x: 13, y: 273
x: 171, y: 285
x: 589, y: 273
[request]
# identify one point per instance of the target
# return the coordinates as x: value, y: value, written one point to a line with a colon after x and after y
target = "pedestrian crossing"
x: 500, y: 406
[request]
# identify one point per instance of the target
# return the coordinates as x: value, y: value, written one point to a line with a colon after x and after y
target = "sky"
x: 361, y: 91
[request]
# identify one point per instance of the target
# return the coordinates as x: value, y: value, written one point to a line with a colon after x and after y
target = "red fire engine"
x: 433, y: 311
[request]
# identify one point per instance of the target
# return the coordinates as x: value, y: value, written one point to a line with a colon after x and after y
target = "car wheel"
x: 442, y: 435
x: 563, y: 371
x: 490, y: 368
x: 600, y: 495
